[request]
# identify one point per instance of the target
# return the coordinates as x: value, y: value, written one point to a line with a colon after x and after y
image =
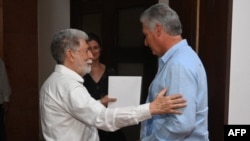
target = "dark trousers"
x: 112, y: 136
x: 2, y: 126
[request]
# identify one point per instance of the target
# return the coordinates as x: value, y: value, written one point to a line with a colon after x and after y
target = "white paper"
x: 126, y: 89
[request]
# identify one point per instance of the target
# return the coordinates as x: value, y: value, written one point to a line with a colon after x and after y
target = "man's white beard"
x: 87, y: 68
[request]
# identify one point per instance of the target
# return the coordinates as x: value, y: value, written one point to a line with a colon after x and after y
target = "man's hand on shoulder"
x: 167, y: 104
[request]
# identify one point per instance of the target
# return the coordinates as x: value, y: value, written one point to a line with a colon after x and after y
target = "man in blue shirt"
x: 181, y: 70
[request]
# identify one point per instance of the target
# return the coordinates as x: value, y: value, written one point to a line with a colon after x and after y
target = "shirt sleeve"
x: 182, y: 81
x: 86, y: 109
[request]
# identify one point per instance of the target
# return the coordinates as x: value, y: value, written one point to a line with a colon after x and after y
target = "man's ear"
x: 159, y: 29
x: 70, y: 55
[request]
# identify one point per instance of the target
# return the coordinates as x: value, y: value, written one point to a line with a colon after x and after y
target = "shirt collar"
x: 172, y: 50
x: 65, y: 70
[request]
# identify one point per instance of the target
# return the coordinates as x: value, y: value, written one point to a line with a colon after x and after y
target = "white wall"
x: 53, y: 15
x: 164, y: 1
x: 239, y: 105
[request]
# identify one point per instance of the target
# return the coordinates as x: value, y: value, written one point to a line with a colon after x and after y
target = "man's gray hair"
x: 66, y: 39
x: 162, y: 14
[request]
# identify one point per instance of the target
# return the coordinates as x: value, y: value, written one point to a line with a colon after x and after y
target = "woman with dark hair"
x: 97, y: 83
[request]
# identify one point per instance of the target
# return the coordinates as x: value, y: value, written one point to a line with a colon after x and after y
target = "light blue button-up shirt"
x: 181, y: 71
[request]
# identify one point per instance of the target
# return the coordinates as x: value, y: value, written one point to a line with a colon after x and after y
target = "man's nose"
x: 90, y: 54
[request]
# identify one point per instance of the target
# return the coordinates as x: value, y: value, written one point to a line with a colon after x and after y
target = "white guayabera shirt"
x: 69, y: 113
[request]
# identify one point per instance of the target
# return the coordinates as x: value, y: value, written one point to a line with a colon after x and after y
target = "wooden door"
x: 206, y: 26
x: 117, y: 23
